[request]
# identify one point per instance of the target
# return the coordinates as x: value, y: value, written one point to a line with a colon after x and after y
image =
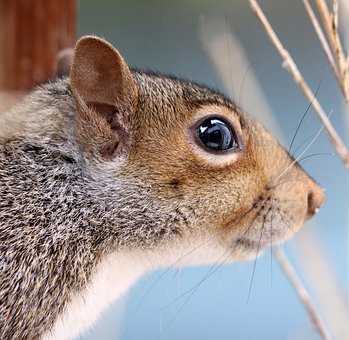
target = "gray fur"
x: 60, y: 212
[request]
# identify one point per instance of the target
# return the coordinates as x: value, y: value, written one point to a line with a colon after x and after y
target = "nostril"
x: 311, y: 206
x: 315, y: 200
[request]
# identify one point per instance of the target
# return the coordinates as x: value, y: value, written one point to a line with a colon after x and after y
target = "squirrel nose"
x: 316, y: 198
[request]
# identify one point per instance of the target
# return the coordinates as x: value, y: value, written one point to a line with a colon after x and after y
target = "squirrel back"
x: 112, y: 166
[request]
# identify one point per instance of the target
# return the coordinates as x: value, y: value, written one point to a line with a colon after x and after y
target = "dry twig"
x: 330, y: 24
x: 292, y: 68
x: 302, y: 293
x: 322, y: 39
x: 334, y: 51
x: 321, y: 275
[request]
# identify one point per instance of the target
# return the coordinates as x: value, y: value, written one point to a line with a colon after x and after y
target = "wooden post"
x: 32, y: 33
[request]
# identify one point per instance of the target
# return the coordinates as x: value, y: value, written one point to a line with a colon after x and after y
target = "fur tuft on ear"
x: 105, y: 90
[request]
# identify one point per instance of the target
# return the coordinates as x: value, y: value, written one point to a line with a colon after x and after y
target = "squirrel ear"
x: 99, y: 74
x: 106, y: 94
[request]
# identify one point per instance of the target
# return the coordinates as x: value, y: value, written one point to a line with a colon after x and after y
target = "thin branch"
x: 330, y: 23
x: 322, y: 277
x: 322, y: 39
x: 302, y: 293
x: 331, y: 28
x: 335, y: 14
x: 292, y: 68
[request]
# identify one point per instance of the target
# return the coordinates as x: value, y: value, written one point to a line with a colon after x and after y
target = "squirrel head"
x: 212, y: 172
x: 164, y: 163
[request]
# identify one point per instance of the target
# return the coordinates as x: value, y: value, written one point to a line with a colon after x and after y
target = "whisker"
x: 244, y: 215
x: 193, y: 291
x: 170, y: 267
x: 303, y: 117
x: 271, y: 249
x: 255, y: 261
x: 304, y: 141
x: 258, y: 210
x: 315, y: 155
x: 212, y: 270
x: 302, y: 153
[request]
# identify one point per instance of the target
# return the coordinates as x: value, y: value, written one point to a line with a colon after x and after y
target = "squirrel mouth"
x: 263, y: 242
x: 252, y: 244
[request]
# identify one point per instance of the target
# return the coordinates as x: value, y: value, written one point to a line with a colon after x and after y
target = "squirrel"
x: 112, y: 172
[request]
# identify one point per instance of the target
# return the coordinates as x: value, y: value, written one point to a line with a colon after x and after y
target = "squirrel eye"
x: 217, y: 135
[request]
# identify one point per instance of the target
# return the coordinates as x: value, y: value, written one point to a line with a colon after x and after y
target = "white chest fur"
x: 112, y: 278
x: 117, y: 272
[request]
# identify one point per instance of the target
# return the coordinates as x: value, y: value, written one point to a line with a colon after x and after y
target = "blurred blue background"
x: 164, y: 36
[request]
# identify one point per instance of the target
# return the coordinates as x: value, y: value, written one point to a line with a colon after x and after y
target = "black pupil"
x: 217, y: 135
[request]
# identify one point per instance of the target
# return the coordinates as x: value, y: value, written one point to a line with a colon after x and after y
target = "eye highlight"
x: 217, y: 135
